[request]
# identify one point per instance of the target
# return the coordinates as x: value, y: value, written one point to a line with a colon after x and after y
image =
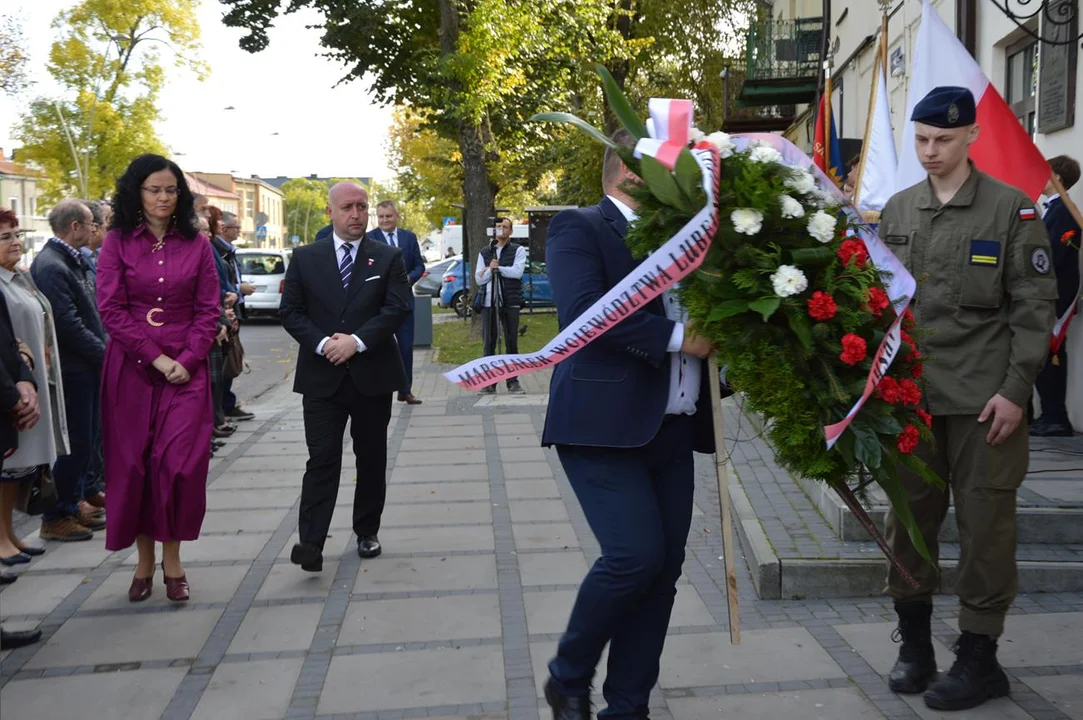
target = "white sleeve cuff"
x: 676, y: 339
x: 319, y: 348
x: 360, y: 345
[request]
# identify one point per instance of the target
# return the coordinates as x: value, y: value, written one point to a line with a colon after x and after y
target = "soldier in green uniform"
x: 986, y: 293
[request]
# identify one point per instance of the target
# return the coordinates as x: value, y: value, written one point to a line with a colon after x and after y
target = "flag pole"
x: 729, y: 550
x: 827, y: 117
x: 879, y: 67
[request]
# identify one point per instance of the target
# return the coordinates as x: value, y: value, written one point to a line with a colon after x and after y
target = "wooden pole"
x: 729, y: 550
x: 880, y: 66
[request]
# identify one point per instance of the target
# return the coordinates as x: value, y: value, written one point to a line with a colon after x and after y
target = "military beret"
x: 946, y: 107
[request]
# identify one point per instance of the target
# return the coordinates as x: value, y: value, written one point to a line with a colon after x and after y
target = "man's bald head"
x: 348, y: 207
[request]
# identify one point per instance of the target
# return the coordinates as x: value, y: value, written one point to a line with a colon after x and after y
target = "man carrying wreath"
x: 987, y: 298
x: 625, y: 414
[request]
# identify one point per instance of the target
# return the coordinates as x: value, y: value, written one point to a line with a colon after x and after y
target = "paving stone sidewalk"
x: 484, y: 548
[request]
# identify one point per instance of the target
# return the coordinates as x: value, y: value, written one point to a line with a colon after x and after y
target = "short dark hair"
x: 8, y: 217
x: 128, y: 199
x: 387, y: 203
x: 612, y: 162
x: 95, y: 209
x: 1067, y: 168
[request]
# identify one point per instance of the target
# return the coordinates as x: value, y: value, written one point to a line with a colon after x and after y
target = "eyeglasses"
x: 170, y: 191
x: 11, y: 236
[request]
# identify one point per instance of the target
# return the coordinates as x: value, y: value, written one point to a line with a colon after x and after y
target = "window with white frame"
x: 1021, y: 82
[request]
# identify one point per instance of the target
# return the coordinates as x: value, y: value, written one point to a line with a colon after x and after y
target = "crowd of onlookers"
x: 53, y: 345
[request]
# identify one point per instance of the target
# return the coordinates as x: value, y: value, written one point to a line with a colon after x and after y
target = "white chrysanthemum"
x: 802, y: 182
x: 696, y: 135
x: 788, y: 280
x: 722, y: 141
x: 765, y: 154
x: 790, y: 207
x: 747, y: 221
x: 822, y: 226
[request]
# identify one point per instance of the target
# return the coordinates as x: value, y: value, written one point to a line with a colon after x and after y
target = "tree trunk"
x: 478, y: 191
x: 619, y: 68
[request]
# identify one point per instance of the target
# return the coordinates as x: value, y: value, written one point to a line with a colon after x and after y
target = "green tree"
x: 13, y: 57
x: 305, y: 206
x: 110, y: 68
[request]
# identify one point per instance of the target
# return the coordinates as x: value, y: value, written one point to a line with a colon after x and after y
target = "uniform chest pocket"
x: 981, y: 275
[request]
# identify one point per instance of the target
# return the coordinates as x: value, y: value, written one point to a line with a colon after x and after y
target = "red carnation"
x: 908, y: 322
x: 908, y: 440
x: 853, y: 249
x: 889, y: 390
x: 821, y: 306
x: 925, y: 417
x: 911, y: 393
x: 917, y: 371
x: 878, y: 301
x: 1067, y: 237
x: 854, y: 349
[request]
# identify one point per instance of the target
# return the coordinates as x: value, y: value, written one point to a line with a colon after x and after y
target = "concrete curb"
x: 760, y: 557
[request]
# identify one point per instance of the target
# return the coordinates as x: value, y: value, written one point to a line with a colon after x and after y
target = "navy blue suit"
x: 1052, y: 382
x: 630, y: 464
x: 415, y: 266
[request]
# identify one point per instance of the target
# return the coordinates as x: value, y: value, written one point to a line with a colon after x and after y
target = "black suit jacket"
x: 70, y: 289
x: 613, y: 392
x: 12, y: 370
x: 314, y: 306
x: 1065, y: 259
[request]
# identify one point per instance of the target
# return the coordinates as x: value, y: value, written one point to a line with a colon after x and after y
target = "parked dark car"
x: 432, y: 279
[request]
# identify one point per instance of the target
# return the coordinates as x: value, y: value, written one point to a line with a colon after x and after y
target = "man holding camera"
x: 508, y: 262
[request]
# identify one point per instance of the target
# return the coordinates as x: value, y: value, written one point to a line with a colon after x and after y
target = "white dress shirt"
x: 1048, y: 201
x: 390, y: 238
x: 684, y: 370
x: 483, y: 274
x: 354, y: 245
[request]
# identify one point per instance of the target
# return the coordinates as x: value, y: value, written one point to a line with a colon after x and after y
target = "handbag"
x: 233, y: 358
x: 38, y: 494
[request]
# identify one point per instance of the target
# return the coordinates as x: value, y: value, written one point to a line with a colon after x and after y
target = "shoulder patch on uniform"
x: 1040, y: 264
x: 1028, y: 213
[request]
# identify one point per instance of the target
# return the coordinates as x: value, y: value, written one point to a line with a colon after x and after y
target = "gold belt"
x: 150, y: 317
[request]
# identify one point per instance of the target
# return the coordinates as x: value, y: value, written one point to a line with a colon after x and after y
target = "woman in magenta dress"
x: 158, y: 296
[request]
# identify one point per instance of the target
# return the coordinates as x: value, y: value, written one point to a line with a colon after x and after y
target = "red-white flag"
x: 1003, y: 149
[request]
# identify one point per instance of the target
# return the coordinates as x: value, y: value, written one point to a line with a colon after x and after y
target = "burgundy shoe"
x: 176, y: 589
x: 140, y: 589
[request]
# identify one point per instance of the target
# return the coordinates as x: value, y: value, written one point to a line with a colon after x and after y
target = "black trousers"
x: 509, y: 318
x: 1052, y: 386
x: 325, y: 424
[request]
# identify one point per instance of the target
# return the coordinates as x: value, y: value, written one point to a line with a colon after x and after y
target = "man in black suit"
x: 625, y: 414
x: 19, y: 396
x: 1064, y: 238
x: 389, y: 233
x: 343, y: 301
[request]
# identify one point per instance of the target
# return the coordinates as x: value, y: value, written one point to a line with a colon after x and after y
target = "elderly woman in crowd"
x: 32, y: 323
x: 158, y: 293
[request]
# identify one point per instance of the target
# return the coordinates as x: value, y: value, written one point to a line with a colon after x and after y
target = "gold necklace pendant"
x: 158, y: 245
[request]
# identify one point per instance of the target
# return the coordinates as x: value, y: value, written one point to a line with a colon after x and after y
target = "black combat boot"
x: 916, y: 665
x: 975, y: 677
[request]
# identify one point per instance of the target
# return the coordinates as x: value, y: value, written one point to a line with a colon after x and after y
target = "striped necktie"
x: 345, y: 268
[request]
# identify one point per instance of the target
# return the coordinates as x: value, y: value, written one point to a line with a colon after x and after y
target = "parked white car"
x: 266, y: 269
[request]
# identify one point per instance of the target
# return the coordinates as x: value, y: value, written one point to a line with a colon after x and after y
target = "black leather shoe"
x: 1052, y: 430
x: 975, y: 677
x: 916, y: 666
x: 18, y: 638
x: 564, y: 707
x: 369, y: 546
x: 8, y: 578
x: 309, y: 557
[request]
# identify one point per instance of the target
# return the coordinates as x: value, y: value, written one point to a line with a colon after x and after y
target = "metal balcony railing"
x: 784, y: 49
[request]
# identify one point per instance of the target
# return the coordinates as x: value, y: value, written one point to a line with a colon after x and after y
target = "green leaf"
x: 918, y: 466
x: 846, y: 445
x: 800, y: 327
x: 726, y: 309
x: 562, y: 117
x: 765, y: 306
x: 663, y: 185
x: 620, y: 105
x: 879, y: 423
x: 867, y: 449
x: 812, y: 256
x: 689, y: 176
x: 896, y: 494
